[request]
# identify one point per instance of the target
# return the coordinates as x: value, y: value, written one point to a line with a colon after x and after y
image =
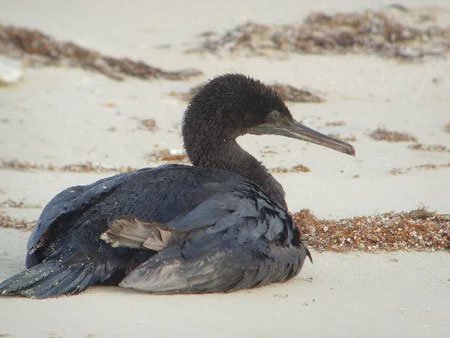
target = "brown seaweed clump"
x: 426, y: 166
x: 382, y: 134
x: 9, y: 222
x: 287, y: 93
x: 418, y: 230
x: 293, y: 94
x: 300, y: 168
x: 148, y: 124
x: 87, y: 167
x: 9, y: 203
x: 38, y: 49
x: 393, y: 32
x: 433, y: 148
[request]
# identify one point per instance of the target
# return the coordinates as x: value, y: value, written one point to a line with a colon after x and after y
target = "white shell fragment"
x: 11, y: 71
x: 175, y: 152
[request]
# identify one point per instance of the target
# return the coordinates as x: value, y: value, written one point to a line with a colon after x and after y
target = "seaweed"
x: 418, y: 230
x: 382, y: 134
x: 37, y: 49
x: 403, y: 34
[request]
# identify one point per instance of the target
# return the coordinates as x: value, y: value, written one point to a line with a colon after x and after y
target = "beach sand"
x: 62, y: 116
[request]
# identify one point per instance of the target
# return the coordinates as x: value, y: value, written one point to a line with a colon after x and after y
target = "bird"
x: 218, y: 225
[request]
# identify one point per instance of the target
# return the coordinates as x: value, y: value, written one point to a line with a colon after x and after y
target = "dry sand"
x: 61, y: 116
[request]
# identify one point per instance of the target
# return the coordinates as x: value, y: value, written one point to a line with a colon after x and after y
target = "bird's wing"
x: 218, y: 212
x: 229, y: 241
x: 221, y: 265
x: 71, y: 203
x: 150, y: 195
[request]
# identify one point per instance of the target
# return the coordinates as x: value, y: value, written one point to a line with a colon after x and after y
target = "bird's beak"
x: 294, y: 129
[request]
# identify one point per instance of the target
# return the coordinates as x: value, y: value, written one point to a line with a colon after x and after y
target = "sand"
x: 61, y: 116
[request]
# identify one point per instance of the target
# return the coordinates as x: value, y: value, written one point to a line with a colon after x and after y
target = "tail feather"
x: 49, y: 279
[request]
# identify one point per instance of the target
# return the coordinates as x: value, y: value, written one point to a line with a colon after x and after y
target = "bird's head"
x: 232, y: 105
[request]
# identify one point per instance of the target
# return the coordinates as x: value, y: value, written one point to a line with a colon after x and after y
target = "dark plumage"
x: 217, y: 226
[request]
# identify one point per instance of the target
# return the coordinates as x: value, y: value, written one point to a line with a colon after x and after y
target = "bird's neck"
x: 226, y: 154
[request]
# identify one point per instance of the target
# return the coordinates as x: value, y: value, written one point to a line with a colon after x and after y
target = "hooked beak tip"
x: 351, y: 151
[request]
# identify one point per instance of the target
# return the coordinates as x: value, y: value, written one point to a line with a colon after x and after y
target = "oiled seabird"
x: 217, y: 226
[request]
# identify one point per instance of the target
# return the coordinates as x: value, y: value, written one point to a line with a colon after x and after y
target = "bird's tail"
x: 49, y: 279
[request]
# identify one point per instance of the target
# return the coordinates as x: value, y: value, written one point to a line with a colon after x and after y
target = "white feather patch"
x: 133, y: 233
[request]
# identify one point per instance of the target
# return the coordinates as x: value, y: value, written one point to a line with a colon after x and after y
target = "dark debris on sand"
x: 148, y: 124
x: 161, y: 155
x: 9, y: 222
x: 293, y: 94
x: 38, y: 49
x: 287, y: 93
x: 417, y: 230
x: 382, y: 134
x: 87, y: 167
x: 429, y: 147
x: 426, y: 166
x: 299, y: 168
x: 9, y: 203
x: 393, y: 32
